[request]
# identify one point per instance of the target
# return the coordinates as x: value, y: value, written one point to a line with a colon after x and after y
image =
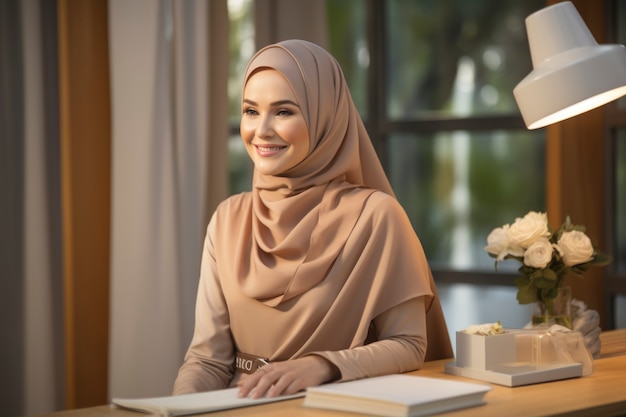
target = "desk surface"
x: 613, y: 343
x: 602, y: 394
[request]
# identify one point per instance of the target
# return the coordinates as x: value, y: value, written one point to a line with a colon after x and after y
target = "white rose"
x: 539, y: 254
x: 499, y: 244
x: 575, y: 248
x: 525, y: 231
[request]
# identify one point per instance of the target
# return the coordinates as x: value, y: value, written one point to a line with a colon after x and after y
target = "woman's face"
x: 272, y: 125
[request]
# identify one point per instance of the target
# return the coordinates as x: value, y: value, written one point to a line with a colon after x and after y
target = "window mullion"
x: 376, y: 76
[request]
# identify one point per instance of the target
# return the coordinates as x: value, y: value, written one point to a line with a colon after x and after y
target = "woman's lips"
x: 267, y: 151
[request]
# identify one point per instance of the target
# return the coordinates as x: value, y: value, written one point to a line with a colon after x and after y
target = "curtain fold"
x: 31, y: 354
x: 12, y: 123
x: 161, y: 119
x: 42, y: 275
x: 277, y: 20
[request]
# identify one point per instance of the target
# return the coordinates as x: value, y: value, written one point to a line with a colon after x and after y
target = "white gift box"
x: 521, y: 357
x: 484, y: 352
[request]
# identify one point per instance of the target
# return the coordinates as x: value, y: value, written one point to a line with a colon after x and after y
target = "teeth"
x: 269, y: 148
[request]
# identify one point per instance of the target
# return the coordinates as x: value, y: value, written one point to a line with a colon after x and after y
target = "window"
x: 441, y: 111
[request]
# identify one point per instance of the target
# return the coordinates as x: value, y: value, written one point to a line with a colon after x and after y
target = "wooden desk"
x: 613, y: 342
x: 601, y: 394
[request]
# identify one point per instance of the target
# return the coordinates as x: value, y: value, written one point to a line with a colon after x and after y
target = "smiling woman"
x: 316, y: 272
x: 272, y: 126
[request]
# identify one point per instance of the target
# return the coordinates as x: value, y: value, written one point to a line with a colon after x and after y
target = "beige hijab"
x: 298, y: 224
x: 296, y: 214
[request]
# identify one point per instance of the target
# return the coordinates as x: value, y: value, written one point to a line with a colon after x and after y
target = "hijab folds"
x: 297, y: 216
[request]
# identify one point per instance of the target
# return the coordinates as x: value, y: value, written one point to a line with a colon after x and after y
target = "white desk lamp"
x: 572, y: 73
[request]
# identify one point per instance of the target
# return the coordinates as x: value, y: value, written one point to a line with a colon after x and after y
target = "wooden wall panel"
x: 85, y: 179
x: 575, y: 173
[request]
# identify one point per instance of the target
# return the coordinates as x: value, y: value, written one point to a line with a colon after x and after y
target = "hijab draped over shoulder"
x: 304, y: 230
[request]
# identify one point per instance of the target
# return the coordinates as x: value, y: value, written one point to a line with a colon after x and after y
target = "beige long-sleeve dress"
x: 388, y: 288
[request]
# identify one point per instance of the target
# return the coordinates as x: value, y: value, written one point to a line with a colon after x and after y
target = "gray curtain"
x: 11, y: 208
x: 277, y: 20
x: 31, y: 351
x: 170, y: 129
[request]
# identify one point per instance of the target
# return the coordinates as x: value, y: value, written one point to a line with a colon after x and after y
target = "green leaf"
x: 549, y: 274
x: 602, y: 259
x: 580, y: 269
x: 522, y: 280
x: 525, y: 270
x: 526, y: 294
x: 543, y: 283
x: 550, y: 293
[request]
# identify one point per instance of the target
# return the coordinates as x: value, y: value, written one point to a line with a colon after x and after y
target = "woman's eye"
x: 249, y: 111
x: 284, y: 113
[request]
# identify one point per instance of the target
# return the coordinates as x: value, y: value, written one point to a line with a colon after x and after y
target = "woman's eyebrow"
x: 273, y: 104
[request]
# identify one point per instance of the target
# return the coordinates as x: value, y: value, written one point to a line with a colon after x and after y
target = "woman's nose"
x: 264, y: 129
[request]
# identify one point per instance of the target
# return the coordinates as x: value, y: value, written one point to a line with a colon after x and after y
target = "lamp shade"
x: 571, y: 72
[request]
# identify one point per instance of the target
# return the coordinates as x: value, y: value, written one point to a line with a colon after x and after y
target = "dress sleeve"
x: 400, y: 345
x: 208, y: 363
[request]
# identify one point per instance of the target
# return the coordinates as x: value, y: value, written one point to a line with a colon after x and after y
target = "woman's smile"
x: 267, y: 151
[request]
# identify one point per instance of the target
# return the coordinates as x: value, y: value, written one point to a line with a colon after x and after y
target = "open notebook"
x: 202, y: 402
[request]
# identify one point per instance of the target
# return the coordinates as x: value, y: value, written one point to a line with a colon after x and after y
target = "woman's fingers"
x: 289, y: 377
x: 256, y: 385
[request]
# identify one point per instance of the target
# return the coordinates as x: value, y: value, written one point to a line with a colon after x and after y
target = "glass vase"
x: 556, y: 310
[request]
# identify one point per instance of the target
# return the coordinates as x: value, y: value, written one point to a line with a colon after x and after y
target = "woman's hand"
x: 289, y: 377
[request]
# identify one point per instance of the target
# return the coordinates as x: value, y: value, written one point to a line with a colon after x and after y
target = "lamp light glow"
x: 572, y: 74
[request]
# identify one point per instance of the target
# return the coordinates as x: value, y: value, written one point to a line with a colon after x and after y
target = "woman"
x: 317, y: 270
